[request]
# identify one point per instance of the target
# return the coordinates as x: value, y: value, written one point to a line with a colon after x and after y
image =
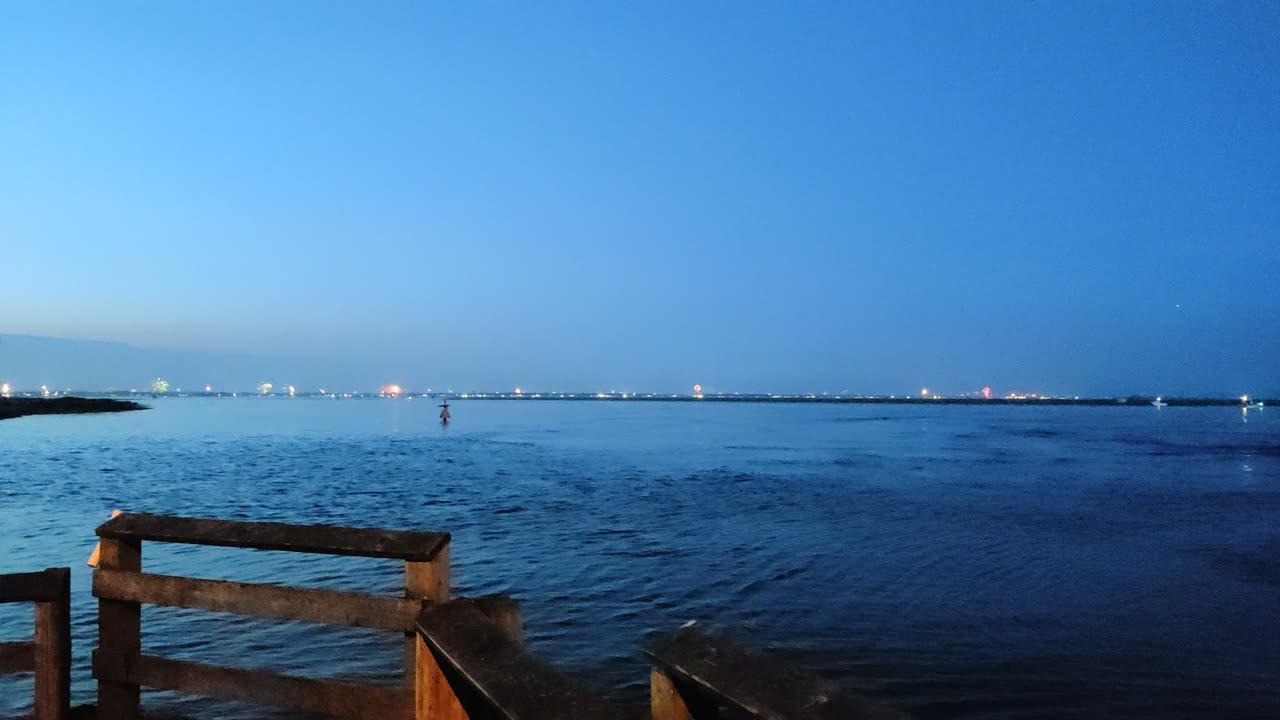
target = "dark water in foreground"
x: 958, y: 561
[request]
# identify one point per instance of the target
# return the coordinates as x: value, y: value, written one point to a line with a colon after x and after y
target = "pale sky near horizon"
x: 1082, y: 197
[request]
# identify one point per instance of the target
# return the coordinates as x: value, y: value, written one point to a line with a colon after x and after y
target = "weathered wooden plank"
x: 330, y: 697
x: 42, y: 586
x: 273, y: 601
x: 322, y: 539
x: 119, y: 630
x: 53, y: 652
x: 667, y: 702
x: 17, y: 657
x: 756, y: 684
x: 498, y: 673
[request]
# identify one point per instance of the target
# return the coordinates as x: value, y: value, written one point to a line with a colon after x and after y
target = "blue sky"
x: 1078, y: 197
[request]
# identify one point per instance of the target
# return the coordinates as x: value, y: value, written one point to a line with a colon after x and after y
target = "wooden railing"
x: 696, y: 672
x: 121, y: 588
x: 472, y: 666
x: 464, y: 659
x: 49, y: 654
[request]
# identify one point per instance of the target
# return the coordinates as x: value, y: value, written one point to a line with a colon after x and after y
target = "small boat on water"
x: 1159, y: 402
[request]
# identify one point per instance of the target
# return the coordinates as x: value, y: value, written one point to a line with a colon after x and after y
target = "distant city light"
x: 392, y: 390
x: 292, y: 391
x: 924, y: 392
x: 44, y: 390
x: 986, y: 392
x: 697, y: 389
x: 208, y: 388
x: 265, y: 388
x: 1244, y: 399
x: 519, y: 391
x: 159, y: 386
x: 5, y: 390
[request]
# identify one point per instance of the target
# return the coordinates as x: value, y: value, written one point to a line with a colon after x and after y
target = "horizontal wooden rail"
x: 470, y: 666
x: 43, y: 586
x: 17, y: 657
x: 272, y: 601
x: 330, y: 697
x: 697, y: 671
x: 323, y: 539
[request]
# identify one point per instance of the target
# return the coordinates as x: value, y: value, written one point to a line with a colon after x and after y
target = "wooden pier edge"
x: 471, y: 665
x: 696, y: 671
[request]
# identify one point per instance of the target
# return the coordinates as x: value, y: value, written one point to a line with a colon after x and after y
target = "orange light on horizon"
x: 986, y: 392
x: 392, y: 390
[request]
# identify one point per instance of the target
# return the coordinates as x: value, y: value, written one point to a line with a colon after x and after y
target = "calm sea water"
x: 957, y: 561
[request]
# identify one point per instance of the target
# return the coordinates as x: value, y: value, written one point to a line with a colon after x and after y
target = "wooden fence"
x: 464, y: 659
x: 49, y: 654
x: 121, y: 588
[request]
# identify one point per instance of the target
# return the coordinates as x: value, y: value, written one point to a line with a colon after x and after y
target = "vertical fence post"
x: 424, y: 581
x: 119, y: 631
x: 667, y: 702
x: 53, y: 651
x: 505, y: 613
x: 434, y: 699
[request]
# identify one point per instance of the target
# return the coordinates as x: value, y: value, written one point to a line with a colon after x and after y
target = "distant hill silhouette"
x: 27, y: 362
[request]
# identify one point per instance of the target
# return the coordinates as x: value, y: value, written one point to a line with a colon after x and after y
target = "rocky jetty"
x: 18, y: 407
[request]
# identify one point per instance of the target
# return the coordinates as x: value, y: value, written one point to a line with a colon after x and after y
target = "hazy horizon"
x: 28, y: 362
x: 1076, y: 198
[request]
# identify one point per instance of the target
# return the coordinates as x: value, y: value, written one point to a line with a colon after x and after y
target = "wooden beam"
x: 119, y: 631
x: 428, y: 582
x: 272, y: 601
x: 42, y: 586
x: 667, y: 702
x: 17, y: 657
x: 704, y: 664
x: 330, y: 697
x: 434, y: 698
x: 494, y: 676
x: 322, y: 539
x: 53, y: 652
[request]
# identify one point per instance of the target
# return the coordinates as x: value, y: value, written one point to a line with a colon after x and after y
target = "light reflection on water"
x: 960, y: 561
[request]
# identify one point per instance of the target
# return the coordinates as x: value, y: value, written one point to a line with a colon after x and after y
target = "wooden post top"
x: 48, y: 585
x: 322, y: 539
x: 757, y: 684
x: 513, y: 684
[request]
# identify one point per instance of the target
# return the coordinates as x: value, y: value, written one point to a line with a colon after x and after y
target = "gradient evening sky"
x: 1078, y: 197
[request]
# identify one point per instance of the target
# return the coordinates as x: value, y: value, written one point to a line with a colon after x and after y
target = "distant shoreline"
x: 88, y: 400
x: 21, y: 407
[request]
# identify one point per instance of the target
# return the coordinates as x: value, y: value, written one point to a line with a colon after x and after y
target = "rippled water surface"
x: 957, y: 561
